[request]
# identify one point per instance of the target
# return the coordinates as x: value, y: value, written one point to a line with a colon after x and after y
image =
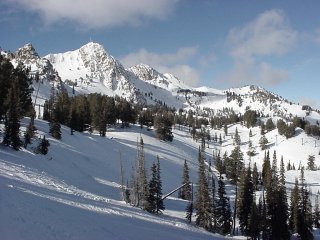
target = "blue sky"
x: 221, y: 44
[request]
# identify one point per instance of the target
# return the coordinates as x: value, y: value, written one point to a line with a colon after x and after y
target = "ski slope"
x: 73, y: 192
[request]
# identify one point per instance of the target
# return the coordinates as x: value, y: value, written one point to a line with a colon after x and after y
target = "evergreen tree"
x: 311, y: 163
x: 189, y: 211
x: 270, y: 125
x: 30, y: 131
x: 12, y: 122
x: 234, y: 164
x: 294, y: 208
x: 316, y: 213
x: 155, y: 202
x: 263, y: 141
x: 185, y: 191
x: 43, y: 146
x: 163, y: 125
x: 54, y: 124
x: 223, y: 212
x: 305, y: 210
x: 202, y: 204
x: 253, y: 227
x: 245, y: 200
x: 255, y: 177
x: 237, y: 139
x: 266, y: 169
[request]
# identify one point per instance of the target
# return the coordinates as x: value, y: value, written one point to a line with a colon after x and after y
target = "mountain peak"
x: 92, y: 46
x: 27, y: 52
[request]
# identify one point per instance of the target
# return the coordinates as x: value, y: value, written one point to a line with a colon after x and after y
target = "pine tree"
x: 311, y: 163
x: 234, y: 164
x: 43, y: 146
x: 155, y: 202
x: 237, y: 139
x: 316, y: 213
x: 305, y: 210
x: 263, y: 141
x: 202, y: 204
x: 280, y: 228
x: 294, y: 208
x: 223, y: 212
x: 266, y: 169
x: 54, y: 124
x: 253, y: 227
x: 245, y: 200
x: 255, y: 177
x: 163, y: 125
x: 185, y: 191
x: 189, y: 211
x: 12, y: 122
x: 30, y: 131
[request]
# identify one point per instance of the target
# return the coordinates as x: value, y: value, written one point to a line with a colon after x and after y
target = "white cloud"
x: 174, y: 63
x: 96, y: 13
x: 268, y: 35
x: 314, y: 103
x: 271, y: 76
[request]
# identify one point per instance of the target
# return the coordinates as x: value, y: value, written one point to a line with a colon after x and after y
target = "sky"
x: 220, y: 44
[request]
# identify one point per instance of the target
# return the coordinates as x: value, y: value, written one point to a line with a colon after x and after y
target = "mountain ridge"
x: 91, y: 69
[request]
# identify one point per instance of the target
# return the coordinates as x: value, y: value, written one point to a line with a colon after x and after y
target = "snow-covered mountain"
x: 92, y: 69
x: 73, y: 192
x: 40, y: 68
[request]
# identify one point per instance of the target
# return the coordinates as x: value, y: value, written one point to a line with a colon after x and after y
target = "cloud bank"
x: 268, y: 35
x: 96, y: 13
x: 175, y: 63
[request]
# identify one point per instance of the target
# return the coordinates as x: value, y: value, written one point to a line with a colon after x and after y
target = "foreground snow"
x: 73, y: 192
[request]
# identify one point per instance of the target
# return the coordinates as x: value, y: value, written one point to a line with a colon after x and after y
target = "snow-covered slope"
x: 73, y: 192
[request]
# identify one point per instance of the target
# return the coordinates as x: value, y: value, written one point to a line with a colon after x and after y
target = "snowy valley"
x: 73, y: 192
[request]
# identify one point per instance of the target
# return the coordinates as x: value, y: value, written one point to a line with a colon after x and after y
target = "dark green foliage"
x: 316, y: 213
x: 234, y: 164
x: 253, y: 228
x: 245, y: 200
x: 163, y: 125
x: 270, y: 125
x: 263, y: 141
x: 250, y: 118
x: 220, y: 164
x: 126, y: 113
x: 146, y: 118
x: 43, y: 146
x: 12, y: 122
x: 189, y: 211
x: 15, y: 100
x: 30, y: 132
x: 237, y: 139
x: 301, y: 220
x: 287, y: 130
x: 222, y: 210
x: 185, y: 191
x: 311, y: 163
x: 202, y: 204
x: 155, y: 202
x: 255, y: 177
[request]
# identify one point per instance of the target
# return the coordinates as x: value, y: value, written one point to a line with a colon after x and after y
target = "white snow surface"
x: 73, y: 192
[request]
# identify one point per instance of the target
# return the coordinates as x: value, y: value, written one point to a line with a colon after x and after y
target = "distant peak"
x: 27, y: 51
x: 93, y: 45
